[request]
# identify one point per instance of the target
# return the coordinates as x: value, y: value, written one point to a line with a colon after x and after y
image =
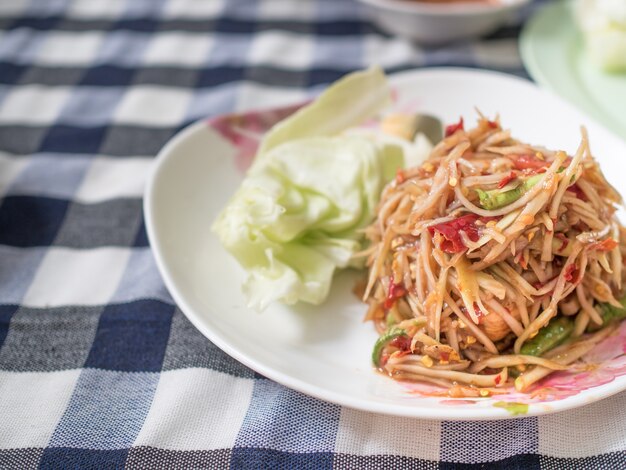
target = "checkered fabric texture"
x: 98, y: 367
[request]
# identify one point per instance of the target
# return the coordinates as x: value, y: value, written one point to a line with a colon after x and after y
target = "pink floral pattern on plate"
x: 605, y: 363
x: 245, y: 130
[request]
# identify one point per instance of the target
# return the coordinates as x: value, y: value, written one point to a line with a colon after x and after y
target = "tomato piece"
x: 607, y: 244
x: 403, y: 343
x: 529, y: 162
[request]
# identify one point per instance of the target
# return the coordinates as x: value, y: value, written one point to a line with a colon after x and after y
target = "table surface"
x: 98, y: 367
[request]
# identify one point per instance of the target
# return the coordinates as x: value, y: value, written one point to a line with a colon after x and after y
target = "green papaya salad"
x: 489, y: 261
x: 493, y: 263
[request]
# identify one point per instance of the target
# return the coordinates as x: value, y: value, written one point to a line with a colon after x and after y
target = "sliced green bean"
x: 388, y: 336
x: 496, y: 198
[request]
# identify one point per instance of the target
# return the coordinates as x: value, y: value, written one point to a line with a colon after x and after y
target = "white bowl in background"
x: 430, y: 23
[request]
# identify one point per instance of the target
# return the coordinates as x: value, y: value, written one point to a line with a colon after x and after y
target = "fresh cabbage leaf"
x: 296, y: 216
x: 346, y: 103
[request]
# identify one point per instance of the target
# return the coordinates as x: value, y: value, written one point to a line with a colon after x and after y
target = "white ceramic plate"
x: 325, y: 351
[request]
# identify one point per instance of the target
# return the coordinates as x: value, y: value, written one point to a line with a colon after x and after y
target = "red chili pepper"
x: 453, y: 243
x: 498, y: 379
x: 395, y: 291
x: 523, y: 263
x: 564, y: 240
x: 477, y: 312
x: 579, y: 192
x: 571, y: 273
x: 529, y: 162
x: 607, y: 244
x: 383, y: 360
x: 493, y: 124
x: 400, y: 178
x: 452, y: 128
x: 506, y: 180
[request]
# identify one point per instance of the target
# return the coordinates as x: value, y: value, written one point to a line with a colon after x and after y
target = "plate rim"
x: 587, y: 396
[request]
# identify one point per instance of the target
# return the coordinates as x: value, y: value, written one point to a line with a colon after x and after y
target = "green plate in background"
x: 553, y: 53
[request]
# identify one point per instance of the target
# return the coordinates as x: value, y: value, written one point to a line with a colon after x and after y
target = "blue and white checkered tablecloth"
x: 98, y: 367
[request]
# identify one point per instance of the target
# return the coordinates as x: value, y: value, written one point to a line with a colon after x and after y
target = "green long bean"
x: 548, y: 337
